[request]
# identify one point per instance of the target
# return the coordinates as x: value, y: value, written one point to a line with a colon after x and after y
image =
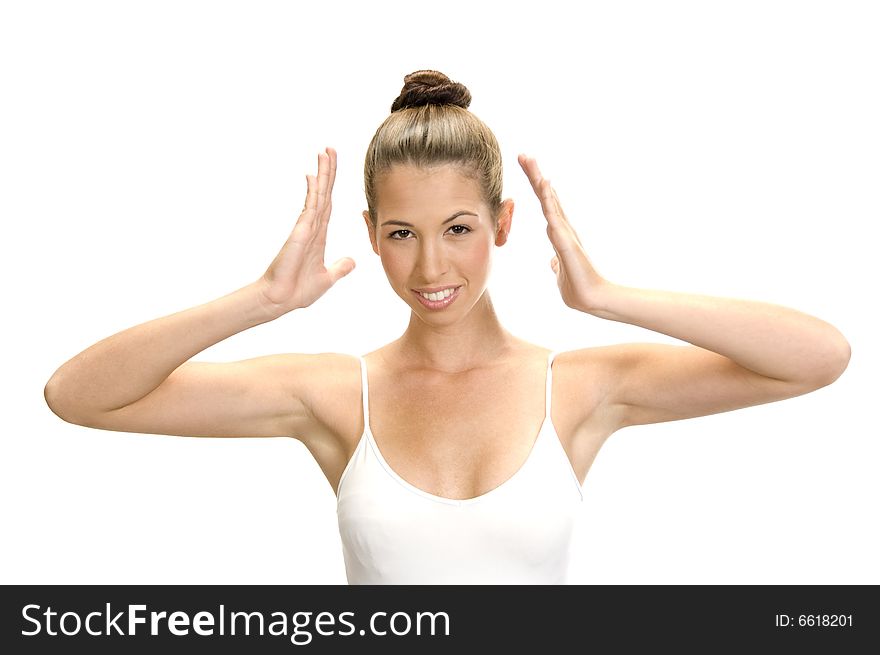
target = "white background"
x: 153, y: 158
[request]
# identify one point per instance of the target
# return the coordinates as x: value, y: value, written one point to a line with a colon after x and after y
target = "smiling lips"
x: 437, y: 299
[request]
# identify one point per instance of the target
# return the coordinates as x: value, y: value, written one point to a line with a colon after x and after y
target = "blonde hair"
x: 430, y: 125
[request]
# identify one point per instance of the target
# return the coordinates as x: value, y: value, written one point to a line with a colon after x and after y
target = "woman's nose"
x: 432, y: 261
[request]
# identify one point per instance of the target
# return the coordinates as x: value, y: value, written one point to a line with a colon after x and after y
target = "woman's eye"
x: 405, y: 234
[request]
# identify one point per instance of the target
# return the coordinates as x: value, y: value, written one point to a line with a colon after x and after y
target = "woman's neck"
x: 474, y: 341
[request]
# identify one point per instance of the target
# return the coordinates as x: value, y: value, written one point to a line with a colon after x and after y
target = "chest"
x: 459, y: 436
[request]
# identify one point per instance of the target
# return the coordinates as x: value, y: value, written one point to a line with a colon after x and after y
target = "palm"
x: 577, y: 278
x: 298, y: 276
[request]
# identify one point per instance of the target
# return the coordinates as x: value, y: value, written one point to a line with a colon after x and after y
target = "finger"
x: 323, y: 179
x: 554, y: 264
x: 311, y: 193
x: 340, y: 268
x: 558, y: 205
x: 328, y: 159
x: 548, y: 203
x: 543, y: 189
x: 530, y: 167
x: 563, y: 217
x: 325, y: 209
x: 332, y: 154
x: 556, y: 202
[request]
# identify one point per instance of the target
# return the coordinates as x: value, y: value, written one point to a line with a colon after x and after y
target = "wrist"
x: 269, y: 309
x: 600, y: 298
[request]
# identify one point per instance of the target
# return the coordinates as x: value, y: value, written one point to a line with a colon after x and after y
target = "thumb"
x: 554, y: 264
x: 340, y: 268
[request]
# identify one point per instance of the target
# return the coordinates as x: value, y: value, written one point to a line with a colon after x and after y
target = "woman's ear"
x: 505, y: 216
x: 371, y: 230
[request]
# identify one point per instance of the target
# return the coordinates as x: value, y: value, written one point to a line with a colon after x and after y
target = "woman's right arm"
x: 141, y: 379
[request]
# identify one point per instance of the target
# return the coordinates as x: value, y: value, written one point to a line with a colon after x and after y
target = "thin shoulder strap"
x: 364, y: 393
x: 550, y: 359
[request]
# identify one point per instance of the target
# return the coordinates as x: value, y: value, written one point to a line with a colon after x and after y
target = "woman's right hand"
x: 297, y: 276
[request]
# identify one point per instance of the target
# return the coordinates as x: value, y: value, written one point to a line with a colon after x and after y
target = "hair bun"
x: 429, y: 87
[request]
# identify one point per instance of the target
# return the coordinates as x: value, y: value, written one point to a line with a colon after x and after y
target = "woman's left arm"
x: 747, y: 352
x: 771, y: 340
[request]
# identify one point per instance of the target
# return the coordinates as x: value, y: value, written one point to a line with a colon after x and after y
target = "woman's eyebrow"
x: 451, y: 218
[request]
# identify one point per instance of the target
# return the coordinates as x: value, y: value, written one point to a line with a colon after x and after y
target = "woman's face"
x: 434, y: 234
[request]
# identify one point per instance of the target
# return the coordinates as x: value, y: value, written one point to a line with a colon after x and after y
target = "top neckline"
x: 368, y: 433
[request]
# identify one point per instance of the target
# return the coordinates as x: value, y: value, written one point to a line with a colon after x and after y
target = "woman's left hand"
x: 579, y: 282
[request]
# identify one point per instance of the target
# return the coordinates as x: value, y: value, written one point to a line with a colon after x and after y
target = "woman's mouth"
x: 439, y: 299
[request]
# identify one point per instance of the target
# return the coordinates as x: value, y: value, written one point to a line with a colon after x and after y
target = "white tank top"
x: 517, y: 533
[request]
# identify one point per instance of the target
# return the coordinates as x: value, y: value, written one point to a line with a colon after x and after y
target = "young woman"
x: 458, y: 451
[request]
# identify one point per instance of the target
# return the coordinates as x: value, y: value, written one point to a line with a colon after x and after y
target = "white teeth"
x: 439, y: 295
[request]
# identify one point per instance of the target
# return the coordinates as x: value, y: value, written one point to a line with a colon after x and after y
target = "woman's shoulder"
x: 316, y: 365
x: 316, y: 376
x: 596, y: 362
x: 328, y: 384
